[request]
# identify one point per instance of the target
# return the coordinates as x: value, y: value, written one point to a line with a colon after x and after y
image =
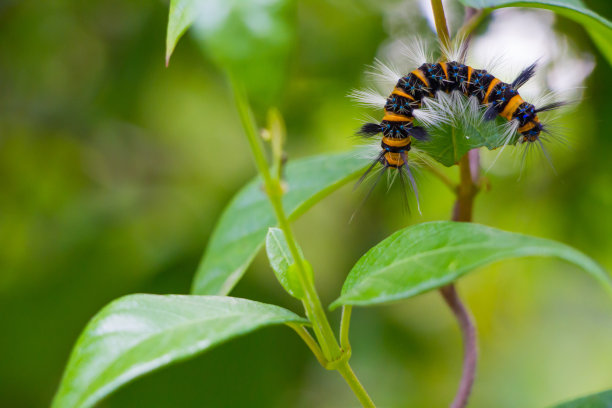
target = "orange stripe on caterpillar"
x: 394, y: 159
x: 443, y: 66
x: 511, y: 107
x: 494, y: 82
x: 417, y: 73
x: 528, y: 126
x: 396, y: 117
x: 396, y: 142
x: 397, y: 91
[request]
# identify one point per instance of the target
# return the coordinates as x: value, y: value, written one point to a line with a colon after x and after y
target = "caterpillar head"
x: 532, y: 130
x: 529, y: 123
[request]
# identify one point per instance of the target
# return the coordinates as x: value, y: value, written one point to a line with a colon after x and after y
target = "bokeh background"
x: 114, y: 168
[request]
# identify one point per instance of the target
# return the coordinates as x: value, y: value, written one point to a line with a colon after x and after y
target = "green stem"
x: 473, y: 20
x: 349, y: 376
x: 344, y: 328
x: 310, y: 342
x: 452, y: 186
x: 312, y: 304
x: 440, y: 20
x: 333, y: 355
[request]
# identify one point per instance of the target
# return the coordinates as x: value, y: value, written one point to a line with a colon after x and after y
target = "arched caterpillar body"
x: 502, y: 99
x: 407, y: 97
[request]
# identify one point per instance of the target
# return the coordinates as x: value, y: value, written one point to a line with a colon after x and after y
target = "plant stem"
x: 349, y: 376
x: 452, y: 186
x: 344, y: 328
x: 311, y: 301
x: 470, y: 349
x: 473, y: 18
x: 333, y: 357
x: 440, y: 20
x: 310, y: 342
x: 462, y: 211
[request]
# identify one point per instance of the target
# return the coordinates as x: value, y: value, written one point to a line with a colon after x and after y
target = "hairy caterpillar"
x: 400, y: 107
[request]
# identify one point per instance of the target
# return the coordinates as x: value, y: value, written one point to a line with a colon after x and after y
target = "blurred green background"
x: 113, y: 170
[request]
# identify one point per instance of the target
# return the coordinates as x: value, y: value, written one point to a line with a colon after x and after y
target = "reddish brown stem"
x: 469, y: 173
x: 470, y: 346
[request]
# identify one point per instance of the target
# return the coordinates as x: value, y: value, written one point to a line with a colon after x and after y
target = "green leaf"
x: 449, y: 142
x: 137, y: 334
x: 250, y: 38
x: 430, y: 255
x: 282, y: 262
x: 241, y: 230
x: 181, y: 16
x: 599, y: 400
x: 598, y: 27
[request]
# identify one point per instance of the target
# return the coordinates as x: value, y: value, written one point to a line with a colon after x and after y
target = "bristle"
x: 406, y: 168
x: 494, y: 62
x: 429, y: 116
x: 370, y: 129
x: 419, y: 133
x: 381, y: 172
x: 368, y: 97
x: 491, y: 112
x: 414, y: 52
x: 568, y: 98
x: 456, y: 50
x: 508, y: 133
x: 435, y: 111
x: 524, y: 76
x: 552, y: 106
x: 546, y: 155
x: 448, y: 109
x: 384, y: 72
x: 365, y: 174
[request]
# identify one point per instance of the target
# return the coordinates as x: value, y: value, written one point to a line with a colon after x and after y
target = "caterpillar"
x: 500, y: 99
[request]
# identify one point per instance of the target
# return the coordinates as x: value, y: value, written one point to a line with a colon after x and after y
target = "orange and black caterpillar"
x: 501, y: 98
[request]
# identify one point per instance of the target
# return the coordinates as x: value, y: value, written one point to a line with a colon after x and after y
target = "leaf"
x: 250, y: 38
x: 181, y: 16
x: 599, y: 400
x: 449, y: 142
x: 241, y: 230
x: 598, y: 27
x: 282, y: 262
x: 137, y: 334
x: 430, y: 255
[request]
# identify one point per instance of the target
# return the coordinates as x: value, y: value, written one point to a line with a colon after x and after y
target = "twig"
x: 470, y: 348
